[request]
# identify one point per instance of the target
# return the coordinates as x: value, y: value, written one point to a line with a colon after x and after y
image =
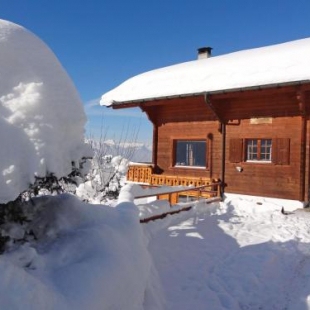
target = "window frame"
x: 280, y: 151
x: 258, y: 144
x: 174, y: 153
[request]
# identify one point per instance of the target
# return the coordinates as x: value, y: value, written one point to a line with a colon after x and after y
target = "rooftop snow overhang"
x: 266, y: 67
x: 139, y: 102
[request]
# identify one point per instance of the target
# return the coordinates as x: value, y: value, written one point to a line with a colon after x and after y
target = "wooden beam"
x: 172, y: 191
x: 163, y: 215
x: 261, y: 90
x: 300, y: 95
x: 155, y: 146
x: 303, y: 144
x: 208, y: 101
x: 116, y: 106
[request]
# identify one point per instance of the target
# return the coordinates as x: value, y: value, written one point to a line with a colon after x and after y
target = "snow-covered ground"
x: 231, y: 255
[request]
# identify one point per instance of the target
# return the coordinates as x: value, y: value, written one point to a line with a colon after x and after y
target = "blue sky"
x: 101, y: 43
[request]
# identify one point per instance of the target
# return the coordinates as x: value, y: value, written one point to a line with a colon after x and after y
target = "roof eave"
x: 138, y: 102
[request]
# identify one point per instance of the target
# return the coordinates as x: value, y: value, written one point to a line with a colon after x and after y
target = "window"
x: 258, y: 149
x: 190, y: 153
x: 275, y: 150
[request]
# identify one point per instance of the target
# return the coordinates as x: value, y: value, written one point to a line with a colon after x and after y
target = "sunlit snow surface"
x: 89, y: 257
x: 276, y: 64
x: 232, y: 255
x: 41, y: 115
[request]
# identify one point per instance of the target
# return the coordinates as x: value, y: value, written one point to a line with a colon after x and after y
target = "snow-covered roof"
x: 277, y: 64
x: 41, y: 115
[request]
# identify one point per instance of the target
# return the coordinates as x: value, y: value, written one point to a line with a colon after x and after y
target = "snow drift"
x: 41, y: 115
x: 231, y: 255
x: 86, y: 257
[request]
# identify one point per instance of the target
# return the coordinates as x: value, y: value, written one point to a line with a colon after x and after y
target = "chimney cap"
x: 205, y: 49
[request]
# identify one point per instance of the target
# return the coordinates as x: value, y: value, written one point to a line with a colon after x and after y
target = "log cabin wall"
x: 307, y: 165
x: 168, y: 133
x: 267, y: 179
x: 273, y: 114
x: 185, y: 119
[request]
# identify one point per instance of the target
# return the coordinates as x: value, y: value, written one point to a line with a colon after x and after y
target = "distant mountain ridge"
x: 133, y: 151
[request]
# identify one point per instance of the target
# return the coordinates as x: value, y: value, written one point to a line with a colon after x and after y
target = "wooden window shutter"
x: 236, y: 150
x: 281, y: 151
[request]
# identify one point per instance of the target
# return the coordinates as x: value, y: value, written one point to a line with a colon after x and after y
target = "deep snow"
x: 41, y: 115
x: 232, y: 255
x: 87, y: 257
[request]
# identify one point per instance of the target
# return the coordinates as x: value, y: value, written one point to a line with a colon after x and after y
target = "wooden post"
x: 302, y: 177
x: 155, y: 144
x: 208, y: 101
x: 222, y: 186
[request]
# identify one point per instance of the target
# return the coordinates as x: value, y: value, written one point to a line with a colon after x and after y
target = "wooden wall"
x: 195, y: 118
x: 187, y: 118
x: 192, y: 131
x: 188, y: 109
x: 261, y: 179
x: 257, y: 104
x: 266, y: 179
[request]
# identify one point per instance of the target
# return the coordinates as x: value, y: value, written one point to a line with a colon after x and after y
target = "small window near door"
x: 190, y: 153
x: 259, y: 150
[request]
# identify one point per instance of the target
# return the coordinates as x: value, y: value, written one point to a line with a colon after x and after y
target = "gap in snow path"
x: 233, y: 258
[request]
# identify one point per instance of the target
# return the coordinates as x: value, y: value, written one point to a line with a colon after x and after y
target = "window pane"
x: 252, y: 149
x: 181, y: 154
x: 265, y: 153
x: 191, y: 153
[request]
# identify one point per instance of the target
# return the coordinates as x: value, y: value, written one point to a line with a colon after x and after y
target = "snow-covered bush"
x: 109, y: 165
x: 41, y: 115
x: 104, y: 180
x: 81, y: 256
x: 41, y: 128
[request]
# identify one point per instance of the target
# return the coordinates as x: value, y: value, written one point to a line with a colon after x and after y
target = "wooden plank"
x: 163, y: 215
x: 267, y: 179
x: 167, y: 191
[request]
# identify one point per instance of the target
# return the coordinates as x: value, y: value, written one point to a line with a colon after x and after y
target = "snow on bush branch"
x: 109, y: 165
x: 104, y: 180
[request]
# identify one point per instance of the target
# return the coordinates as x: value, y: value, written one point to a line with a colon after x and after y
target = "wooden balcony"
x: 140, y: 173
x: 199, y: 187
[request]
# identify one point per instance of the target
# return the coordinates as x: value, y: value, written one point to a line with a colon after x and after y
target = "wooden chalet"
x: 241, y: 119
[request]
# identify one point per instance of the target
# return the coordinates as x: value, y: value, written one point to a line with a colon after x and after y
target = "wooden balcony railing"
x: 199, y: 187
x: 140, y: 173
